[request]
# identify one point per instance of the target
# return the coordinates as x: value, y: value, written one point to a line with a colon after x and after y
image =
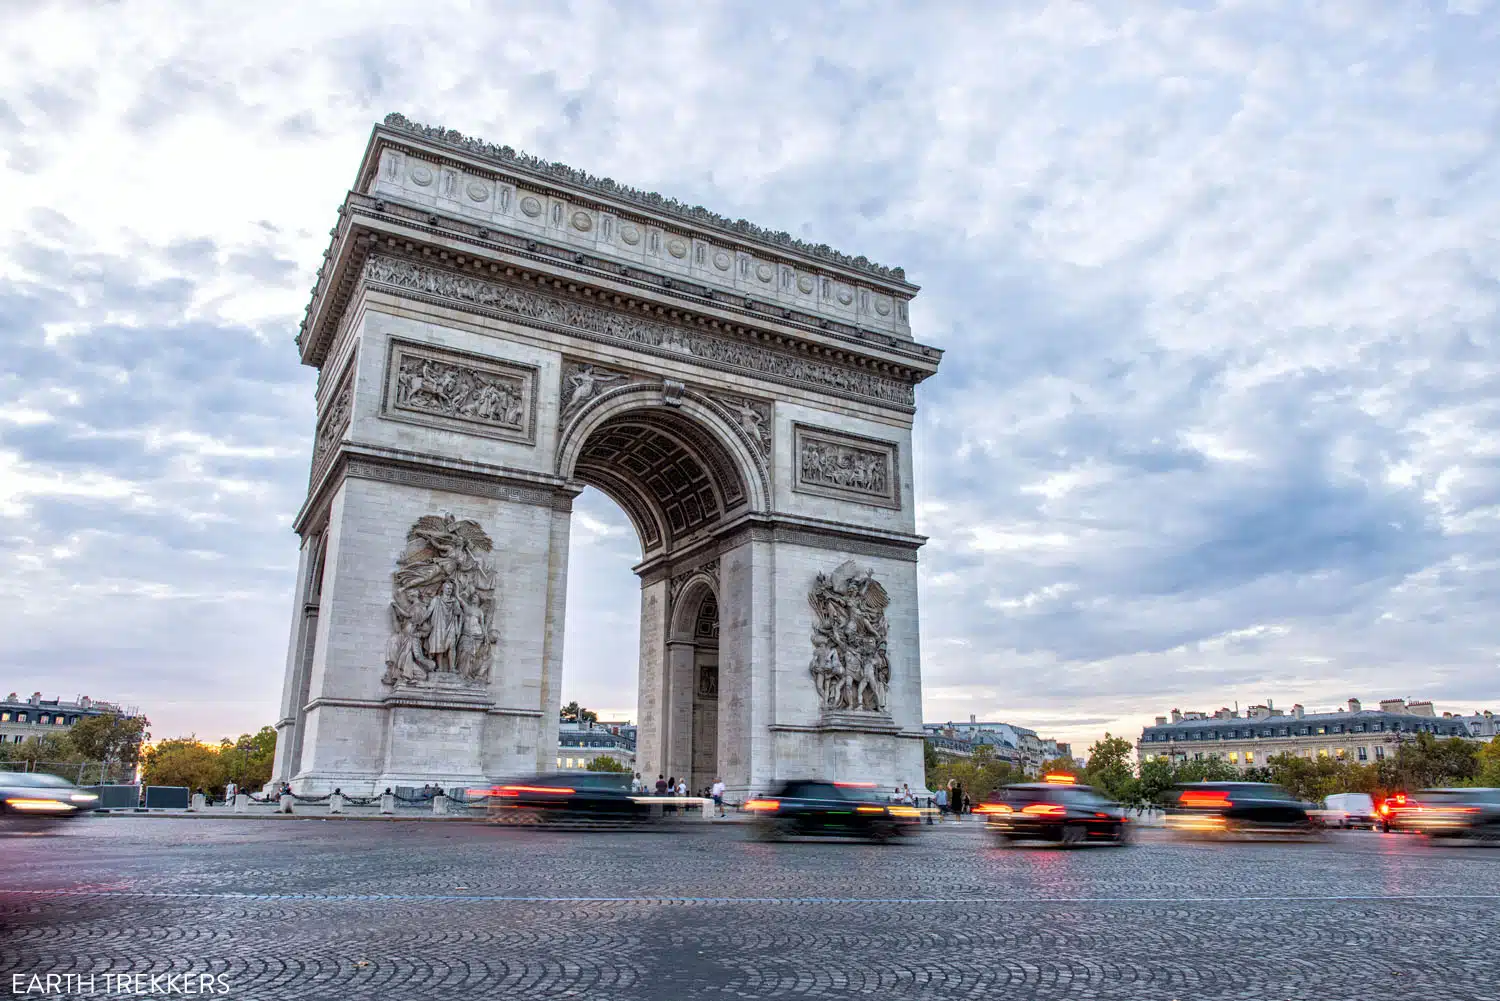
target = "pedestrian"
x: 661, y: 785
x: 941, y: 798
x: 956, y: 798
x: 968, y: 804
x: 717, y: 792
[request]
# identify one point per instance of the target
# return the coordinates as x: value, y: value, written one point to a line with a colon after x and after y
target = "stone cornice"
x: 551, y: 172
x: 366, y: 224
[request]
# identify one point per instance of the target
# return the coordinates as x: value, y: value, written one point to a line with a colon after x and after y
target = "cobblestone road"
x: 340, y: 909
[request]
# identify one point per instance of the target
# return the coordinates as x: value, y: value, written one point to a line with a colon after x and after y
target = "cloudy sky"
x: 1219, y: 418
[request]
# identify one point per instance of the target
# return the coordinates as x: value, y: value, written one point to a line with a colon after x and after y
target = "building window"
x: 57, y: 721
x: 1338, y: 728
x: 1379, y: 753
x: 42, y: 718
x: 1340, y: 752
x: 559, y: 762
x: 1363, y: 754
x: 1286, y: 731
x: 4, y: 717
x: 20, y: 717
x: 1234, y: 757
x: 1322, y: 730
x: 1249, y: 757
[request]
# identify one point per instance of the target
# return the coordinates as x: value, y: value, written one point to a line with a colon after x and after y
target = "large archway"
x: 682, y: 476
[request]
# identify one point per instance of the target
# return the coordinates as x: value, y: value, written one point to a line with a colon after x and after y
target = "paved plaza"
x: 303, y: 909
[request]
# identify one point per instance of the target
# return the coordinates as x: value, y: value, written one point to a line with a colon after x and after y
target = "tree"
x: 51, y: 752
x: 574, y: 713
x: 1059, y: 766
x: 247, y: 762
x: 605, y: 763
x: 184, y: 762
x: 1489, y: 764
x: 110, y: 738
x: 1157, y: 776
x: 1108, y: 769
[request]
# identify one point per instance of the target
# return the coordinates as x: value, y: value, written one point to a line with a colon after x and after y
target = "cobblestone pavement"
x: 340, y: 909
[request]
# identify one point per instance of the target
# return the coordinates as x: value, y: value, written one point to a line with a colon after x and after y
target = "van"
x: 1349, y: 810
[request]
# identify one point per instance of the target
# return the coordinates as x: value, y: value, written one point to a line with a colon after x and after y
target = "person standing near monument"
x: 716, y: 791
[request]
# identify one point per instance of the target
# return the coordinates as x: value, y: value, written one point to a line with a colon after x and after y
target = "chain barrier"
x: 361, y: 800
x: 312, y: 799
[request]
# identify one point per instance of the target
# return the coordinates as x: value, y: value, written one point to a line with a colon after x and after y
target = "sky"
x: 1217, y: 283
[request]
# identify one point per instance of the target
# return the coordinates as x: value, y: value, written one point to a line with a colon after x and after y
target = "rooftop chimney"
x: 1420, y: 708
x: 1297, y: 710
x: 1176, y: 716
x: 1161, y: 721
x: 36, y: 698
x: 1393, y: 705
x: 972, y: 718
x: 1354, y: 705
x: 85, y: 701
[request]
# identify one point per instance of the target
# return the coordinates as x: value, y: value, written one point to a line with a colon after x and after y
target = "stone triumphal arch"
x: 492, y: 332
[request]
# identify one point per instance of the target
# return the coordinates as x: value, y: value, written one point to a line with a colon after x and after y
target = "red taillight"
x: 1385, y: 808
x: 992, y: 808
x: 763, y: 805
x: 855, y: 785
x: 1205, y: 797
x: 553, y: 790
x: 1044, y: 809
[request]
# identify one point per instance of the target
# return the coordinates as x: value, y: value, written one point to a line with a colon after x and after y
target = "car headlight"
x: 82, y: 797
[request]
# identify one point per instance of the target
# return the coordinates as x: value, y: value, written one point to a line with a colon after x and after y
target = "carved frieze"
x: 334, y: 421
x: 753, y: 417
x: 850, y: 665
x: 460, y: 391
x: 596, y: 321
x: 442, y: 605
x: 679, y: 580
x: 848, y: 467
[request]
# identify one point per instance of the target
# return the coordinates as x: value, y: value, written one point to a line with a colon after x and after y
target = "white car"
x: 1350, y: 809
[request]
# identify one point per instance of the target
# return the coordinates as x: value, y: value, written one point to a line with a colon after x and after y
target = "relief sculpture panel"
x: 850, y: 665
x: 834, y: 464
x: 433, y: 386
x: 442, y: 604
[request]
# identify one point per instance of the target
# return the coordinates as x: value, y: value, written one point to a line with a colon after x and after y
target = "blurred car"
x: 1454, y: 813
x: 1237, y: 808
x: 1057, y: 810
x: 570, y: 799
x: 1392, y: 808
x: 830, y: 809
x: 37, y: 794
x: 1349, y: 810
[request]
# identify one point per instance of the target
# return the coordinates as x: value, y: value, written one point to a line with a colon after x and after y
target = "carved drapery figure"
x: 443, y: 605
x: 850, y: 666
x: 585, y: 381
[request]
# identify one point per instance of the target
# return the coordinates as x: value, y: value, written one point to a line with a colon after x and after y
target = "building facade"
x: 29, y: 719
x: 1017, y: 745
x: 1353, y: 734
x: 578, y: 744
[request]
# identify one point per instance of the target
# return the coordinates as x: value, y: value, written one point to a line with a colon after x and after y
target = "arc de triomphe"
x: 492, y: 332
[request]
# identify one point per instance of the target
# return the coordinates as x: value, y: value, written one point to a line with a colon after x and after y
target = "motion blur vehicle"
x: 1350, y: 810
x: 1391, y: 811
x: 39, y: 795
x: 1211, y: 809
x: 810, y: 807
x: 1455, y: 813
x: 579, y: 800
x: 1055, y: 809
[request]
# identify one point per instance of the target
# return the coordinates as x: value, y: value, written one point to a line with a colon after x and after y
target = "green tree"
x: 574, y: 713
x: 1059, y: 766
x: 1489, y: 764
x: 1157, y: 777
x: 247, y: 762
x: 1109, y: 769
x: 51, y: 752
x: 605, y: 763
x: 930, y: 762
x: 184, y: 762
x: 110, y: 739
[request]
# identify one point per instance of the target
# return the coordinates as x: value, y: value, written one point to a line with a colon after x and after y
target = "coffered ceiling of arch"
x: 670, y: 476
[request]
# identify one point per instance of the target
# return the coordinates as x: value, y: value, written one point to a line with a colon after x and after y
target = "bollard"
x: 707, y: 809
x: 388, y: 802
x: 241, y: 802
x: 199, y: 803
x: 284, y: 805
x: 440, y: 805
x: 336, y: 802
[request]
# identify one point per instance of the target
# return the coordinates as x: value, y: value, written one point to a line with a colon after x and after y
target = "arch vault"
x: 492, y: 333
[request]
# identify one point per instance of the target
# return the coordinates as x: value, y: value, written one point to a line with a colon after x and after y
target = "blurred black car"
x: 580, y: 800
x: 37, y: 794
x: 1055, y: 811
x: 1454, y: 813
x: 1228, y: 808
x: 830, y: 809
